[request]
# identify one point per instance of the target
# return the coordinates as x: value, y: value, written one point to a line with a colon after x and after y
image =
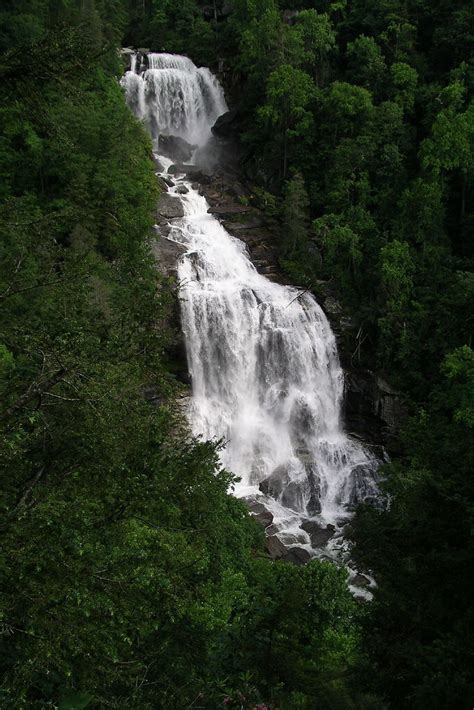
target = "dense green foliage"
x: 129, y: 577
x: 357, y: 126
x: 359, y: 118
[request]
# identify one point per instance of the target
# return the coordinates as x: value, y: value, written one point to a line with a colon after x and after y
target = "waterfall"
x: 266, y: 378
x: 174, y: 97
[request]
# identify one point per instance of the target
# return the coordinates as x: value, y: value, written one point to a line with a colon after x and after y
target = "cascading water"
x: 266, y: 378
x: 174, y: 97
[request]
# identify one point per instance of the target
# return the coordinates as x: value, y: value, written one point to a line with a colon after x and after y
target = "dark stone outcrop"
x: 158, y: 164
x: 373, y: 408
x: 169, y: 206
x: 175, y: 148
x: 260, y: 513
x: 167, y: 254
x: 297, y: 556
x: 319, y: 535
x: 227, y: 125
x: 360, y: 581
x: 274, y: 547
x: 275, y: 483
x: 199, y: 176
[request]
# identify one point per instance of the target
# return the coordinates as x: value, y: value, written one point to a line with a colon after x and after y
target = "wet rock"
x: 360, y: 581
x: 274, y: 484
x: 163, y: 184
x: 169, y: 206
x: 184, y: 403
x: 297, y: 556
x: 178, y: 169
x: 293, y: 496
x: 319, y: 535
x: 265, y: 518
x: 226, y: 125
x: 158, y: 164
x: 175, y: 148
x: 182, y: 190
x: 260, y: 512
x: 199, y: 176
x: 275, y: 547
x: 167, y: 254
x: 361, y: 485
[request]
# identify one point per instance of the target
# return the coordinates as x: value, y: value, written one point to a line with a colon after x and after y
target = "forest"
x: 130, y: 577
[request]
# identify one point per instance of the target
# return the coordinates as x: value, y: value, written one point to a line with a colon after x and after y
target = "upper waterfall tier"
x: 174, y: 97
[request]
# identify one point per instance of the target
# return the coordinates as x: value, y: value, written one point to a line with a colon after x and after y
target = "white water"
x: 266, y: 378
x: 174, y: 97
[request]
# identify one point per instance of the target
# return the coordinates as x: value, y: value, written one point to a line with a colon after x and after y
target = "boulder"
x: 361, y: 485
x: 275, y: 547
x: 175, y: 148
x: 319, y: 535
x: 166, y: 254
x: 182, y: 190
x: 274, y: 484
x: 297, y: 556
x: 265, y: 518
x: 169, y: 206
x: 226, y: 125
x: 199, y: 176
x: 158, y: 164
x: 360, y: 580
x: 260, y: 512
x: 293, y: 496
x: 302, y: 494
x: 163, y: 184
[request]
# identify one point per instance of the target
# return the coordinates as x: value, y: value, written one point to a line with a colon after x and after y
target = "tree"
x: 366, y: 64
x: 396, y: 279
x: 289, y: 91
x: 450, y: 145
x: 295, y: 218
x: 318, y: 41
x: 404, y: 79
